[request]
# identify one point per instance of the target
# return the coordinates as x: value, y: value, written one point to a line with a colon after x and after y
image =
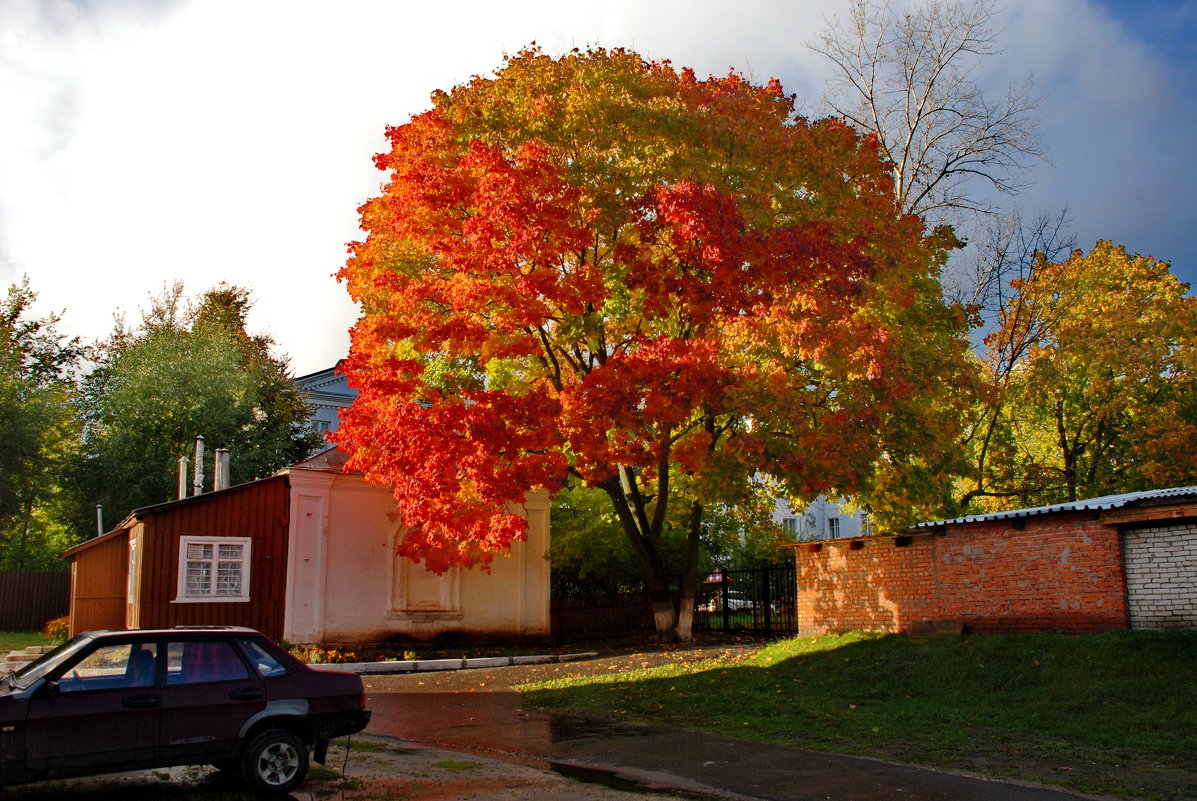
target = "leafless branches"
x: 909, y: 77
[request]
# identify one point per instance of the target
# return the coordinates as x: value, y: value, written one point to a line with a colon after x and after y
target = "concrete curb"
x: 431, y: 665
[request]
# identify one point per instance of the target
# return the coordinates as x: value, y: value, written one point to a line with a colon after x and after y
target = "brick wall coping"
x: 1130, y: 508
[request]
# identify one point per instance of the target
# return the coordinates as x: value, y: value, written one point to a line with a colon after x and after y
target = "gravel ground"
x: 376, y: 770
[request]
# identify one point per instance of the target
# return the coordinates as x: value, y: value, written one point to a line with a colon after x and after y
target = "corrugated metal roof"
x: 1147, y: 497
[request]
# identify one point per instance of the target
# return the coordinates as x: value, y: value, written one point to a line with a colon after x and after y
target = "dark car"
x: 110, y: 701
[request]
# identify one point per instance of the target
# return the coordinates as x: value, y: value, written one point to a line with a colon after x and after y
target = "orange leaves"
x: 596, y: 262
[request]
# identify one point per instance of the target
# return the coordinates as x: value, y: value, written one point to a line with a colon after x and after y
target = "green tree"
x: 38, y: 431
x: 186, y: 371
x: 591, y: 555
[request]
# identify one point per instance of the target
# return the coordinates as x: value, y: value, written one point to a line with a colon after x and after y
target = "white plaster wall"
x: 350, y: 581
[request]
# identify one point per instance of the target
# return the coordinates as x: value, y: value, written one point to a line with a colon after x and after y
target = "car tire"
x: 275, y: 762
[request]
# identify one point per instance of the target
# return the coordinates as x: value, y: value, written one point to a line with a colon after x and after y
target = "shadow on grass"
x: 1114, y: 712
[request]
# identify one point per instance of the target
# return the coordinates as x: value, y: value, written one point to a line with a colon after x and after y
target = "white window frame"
x: 181, y: 595
x: 833, y: 527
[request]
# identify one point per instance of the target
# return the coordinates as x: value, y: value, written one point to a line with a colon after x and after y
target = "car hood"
x: 12, y: 703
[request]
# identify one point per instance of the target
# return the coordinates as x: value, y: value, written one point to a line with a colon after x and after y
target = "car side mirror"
x: 52, y: 690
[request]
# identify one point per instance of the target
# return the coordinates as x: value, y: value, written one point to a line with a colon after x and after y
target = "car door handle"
x: 140, y: 701
x: 247, y: 694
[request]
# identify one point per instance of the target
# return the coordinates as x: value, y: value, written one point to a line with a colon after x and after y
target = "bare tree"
x: 908, y: 76
x: 1007, y: 248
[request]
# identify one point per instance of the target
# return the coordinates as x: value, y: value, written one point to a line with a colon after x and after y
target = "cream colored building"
x: 345, y: 584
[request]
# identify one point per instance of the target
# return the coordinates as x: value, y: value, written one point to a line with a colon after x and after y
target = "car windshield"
x: 39, y: 667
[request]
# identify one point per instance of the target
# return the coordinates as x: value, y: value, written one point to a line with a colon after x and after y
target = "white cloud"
x: 222, y: 140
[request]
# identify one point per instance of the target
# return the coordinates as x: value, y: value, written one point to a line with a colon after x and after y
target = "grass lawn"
x: 18, y: 640
x: 1111, y: 713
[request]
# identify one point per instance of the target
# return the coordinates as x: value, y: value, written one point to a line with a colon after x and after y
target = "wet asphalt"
x: 508, y: 753
x: 477, y: 711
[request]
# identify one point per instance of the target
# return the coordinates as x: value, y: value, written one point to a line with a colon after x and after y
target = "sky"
x: 148, y: 141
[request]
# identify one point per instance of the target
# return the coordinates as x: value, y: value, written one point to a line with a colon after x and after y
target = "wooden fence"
x: 29, y: 599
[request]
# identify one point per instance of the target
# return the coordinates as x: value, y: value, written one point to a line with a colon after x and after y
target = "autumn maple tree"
x: 602, y: 269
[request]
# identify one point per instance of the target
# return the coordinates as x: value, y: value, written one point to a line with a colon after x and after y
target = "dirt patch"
x: 373, y: 769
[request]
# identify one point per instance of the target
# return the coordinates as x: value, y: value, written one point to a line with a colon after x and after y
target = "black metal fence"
x: 761, y: 601
x: 28, y: 599
x: 586, y: 618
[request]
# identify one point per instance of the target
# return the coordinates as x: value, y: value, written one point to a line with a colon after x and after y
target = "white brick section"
x: 1161, y: 576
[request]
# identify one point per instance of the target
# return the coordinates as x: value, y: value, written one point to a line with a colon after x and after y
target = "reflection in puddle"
x: 566, y: 728
x: 495, y: 722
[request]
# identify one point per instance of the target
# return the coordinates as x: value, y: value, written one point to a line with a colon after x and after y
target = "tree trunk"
x: 689, y: 593
x: 645, y: 536
x: 1068, y: 453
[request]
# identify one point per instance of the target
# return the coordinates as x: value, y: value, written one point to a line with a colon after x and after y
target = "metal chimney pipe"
x: 183, y: 462
x: 99, y: 519
x: 221, y: 480
x: 198, y: 484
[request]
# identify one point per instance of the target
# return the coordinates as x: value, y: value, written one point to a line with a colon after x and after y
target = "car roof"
x: 185, y: 631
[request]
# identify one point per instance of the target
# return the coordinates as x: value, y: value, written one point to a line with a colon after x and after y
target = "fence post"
x: 768, y: 601
x: 723, y: 589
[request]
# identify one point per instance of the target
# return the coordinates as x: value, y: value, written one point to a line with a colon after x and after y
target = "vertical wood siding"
x: 29, y: 598
x: 99, y: 576
x: 258, y: 510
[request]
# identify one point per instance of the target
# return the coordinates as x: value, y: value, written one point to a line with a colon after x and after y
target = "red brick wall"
x: 1060, y: 573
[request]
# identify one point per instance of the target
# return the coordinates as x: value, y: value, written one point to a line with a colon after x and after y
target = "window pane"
x: 214, y: 568
x: 112, y: 667
x: 193, y: 662
x: 266, y: 664
x: 228, y: 578
x: 199, y: 578
x: 230, y: 551
x: 199, y: 550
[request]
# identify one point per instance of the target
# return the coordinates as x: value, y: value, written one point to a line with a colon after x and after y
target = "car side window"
x: 112, y: 667
x: 198, y: 661
x: 262, y: 660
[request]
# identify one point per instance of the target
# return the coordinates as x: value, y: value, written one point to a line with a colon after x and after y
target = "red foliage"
x: 596, y: 261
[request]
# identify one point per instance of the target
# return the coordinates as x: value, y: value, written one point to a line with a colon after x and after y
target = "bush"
x: 322, y: 656
x: 58, y: 629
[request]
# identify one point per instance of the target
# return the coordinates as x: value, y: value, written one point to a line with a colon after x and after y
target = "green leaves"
x: 38, y: 430
x: 1091, y: 382
x: 186, y: 373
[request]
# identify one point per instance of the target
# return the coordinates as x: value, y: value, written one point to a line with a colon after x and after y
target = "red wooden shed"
x: 213, y: 559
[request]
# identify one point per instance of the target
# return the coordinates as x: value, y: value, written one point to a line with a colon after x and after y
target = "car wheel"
x: 275, y: 762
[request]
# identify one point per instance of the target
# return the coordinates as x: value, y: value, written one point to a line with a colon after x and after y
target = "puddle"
x: 567, y: 728
x: 493, y: 721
